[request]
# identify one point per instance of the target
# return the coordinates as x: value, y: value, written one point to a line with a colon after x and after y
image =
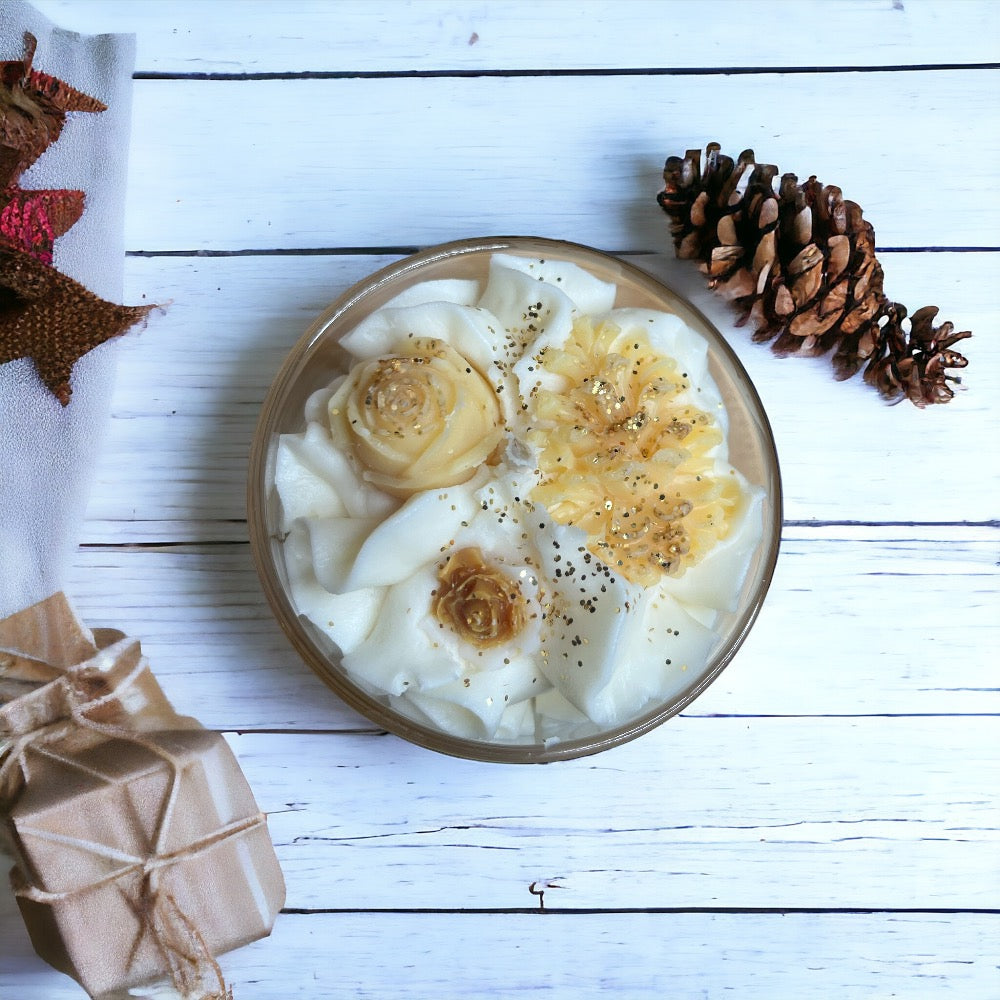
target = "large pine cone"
x: 800, y: 264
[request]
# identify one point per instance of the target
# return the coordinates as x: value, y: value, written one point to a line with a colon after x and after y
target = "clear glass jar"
x: 318, y: 358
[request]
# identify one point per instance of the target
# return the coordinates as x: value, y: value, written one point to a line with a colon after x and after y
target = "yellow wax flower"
x: 623, y: 456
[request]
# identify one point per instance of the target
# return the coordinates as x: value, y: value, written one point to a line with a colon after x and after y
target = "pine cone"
x: 800, y: 264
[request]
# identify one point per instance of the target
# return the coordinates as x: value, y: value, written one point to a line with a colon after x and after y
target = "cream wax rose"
x: 418, y: 419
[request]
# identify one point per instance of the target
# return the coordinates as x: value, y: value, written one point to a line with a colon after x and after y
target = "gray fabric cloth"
x: 47, y: 452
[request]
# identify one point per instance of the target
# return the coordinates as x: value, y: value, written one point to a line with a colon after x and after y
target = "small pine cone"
x: 915, y: 366
x: 800, y: 264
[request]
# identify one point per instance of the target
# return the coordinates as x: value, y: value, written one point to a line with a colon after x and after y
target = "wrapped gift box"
x: 40, y: 642
x: 140, y: 857
x: 140, y: 853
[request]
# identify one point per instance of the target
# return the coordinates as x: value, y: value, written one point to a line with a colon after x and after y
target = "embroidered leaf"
x: 32, y: 220
x: 54, y: 320
x: 33, y: 106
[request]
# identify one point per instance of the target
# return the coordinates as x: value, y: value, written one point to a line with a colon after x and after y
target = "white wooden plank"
x: 688, y: 956
x: 190, y: 388
x: 684, y: 956
x: 359, y: 162
x: 232, y: 36
x: 707, y: 812
x: 850, y: 627
x: 716, y: 813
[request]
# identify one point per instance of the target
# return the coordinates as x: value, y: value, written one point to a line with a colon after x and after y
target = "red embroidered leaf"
x: 32, y: 220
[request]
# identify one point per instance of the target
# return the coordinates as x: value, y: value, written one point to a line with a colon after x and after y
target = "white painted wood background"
x: 823, y: 822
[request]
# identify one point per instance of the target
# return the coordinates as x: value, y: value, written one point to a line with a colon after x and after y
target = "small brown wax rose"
x: 479, y: 602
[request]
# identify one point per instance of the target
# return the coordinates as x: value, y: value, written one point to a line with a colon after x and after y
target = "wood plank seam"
x: 437, y: 74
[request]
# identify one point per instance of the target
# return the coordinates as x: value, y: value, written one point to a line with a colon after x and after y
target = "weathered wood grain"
x: 359, y: 162
x: 702, y: 812
x: 686, y: 956
x: 233, y: 36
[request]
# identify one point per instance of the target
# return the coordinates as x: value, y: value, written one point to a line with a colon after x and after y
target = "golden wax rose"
x: 421, y: 419
x: 477, y: 601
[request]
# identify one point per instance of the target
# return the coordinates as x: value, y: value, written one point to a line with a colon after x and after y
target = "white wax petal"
x: 717, y: 579
x: 702, y: 613
x: 348, y: 618
x: 345, y: 618
x: 517, y: 724
x: 320, y: 459
x: 669, y: 335
x: 558, y: 720
x: 335, y: 543
x: 470, y: 331
x: 533, y: 315
x: 421, y: 531
x: 444, y: 715
x: 399, y: 653
x: 552, y: 704
x: 592, y: 607
x: 303, y: 491
x: 316, y: 408
x: 662, y: 649
x: 484, y: 694
x: 590, y: 295
x: 457, y: 290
